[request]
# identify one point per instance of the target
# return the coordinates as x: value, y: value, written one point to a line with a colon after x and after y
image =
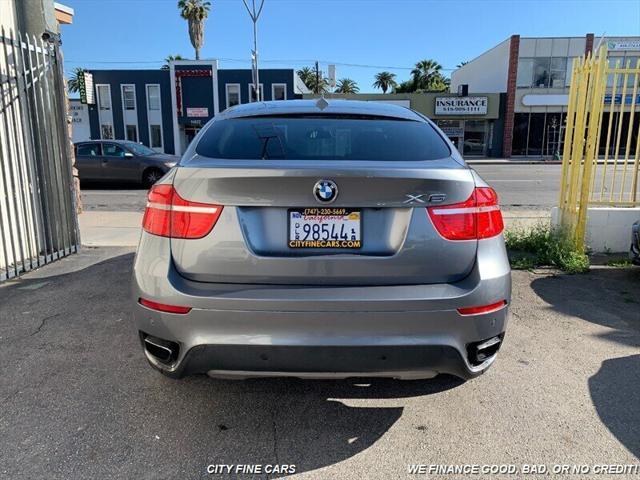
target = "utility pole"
x: 255, y: 15
x: 317, y: 78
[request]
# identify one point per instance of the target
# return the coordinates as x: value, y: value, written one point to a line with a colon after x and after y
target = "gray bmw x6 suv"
x: 321, y: 239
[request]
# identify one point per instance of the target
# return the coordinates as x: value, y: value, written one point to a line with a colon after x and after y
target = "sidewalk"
x: 122, y: 229
x: 110, y: 229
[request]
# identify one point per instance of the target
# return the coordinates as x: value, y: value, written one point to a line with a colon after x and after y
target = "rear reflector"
x: 477, y: 217
x: 493, y: 307
x: 169, y: 215
x: 162, y: 307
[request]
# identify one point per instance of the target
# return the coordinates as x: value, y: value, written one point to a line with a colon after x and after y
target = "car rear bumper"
x: 634, y: 251
x: 406, y: 331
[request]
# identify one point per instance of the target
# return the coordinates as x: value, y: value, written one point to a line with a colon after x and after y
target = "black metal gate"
x: 38, y: 220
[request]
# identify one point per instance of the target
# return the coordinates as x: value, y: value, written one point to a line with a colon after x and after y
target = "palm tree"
x: 169, y: 59
x: 346, y: 85
x: 424, y: 74
x: 195, y: 12
x: 305, y: 74
x: 309, y: 78
x: 385, y: 81
x: 405, y: 87
x: 74, y: 82
x: 439, y: 83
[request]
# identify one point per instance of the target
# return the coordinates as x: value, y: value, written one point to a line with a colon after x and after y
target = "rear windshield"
x: 322, y: 138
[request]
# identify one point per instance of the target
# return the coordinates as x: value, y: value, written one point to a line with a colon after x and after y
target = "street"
x: 519, y: 187
x: 79, y: 401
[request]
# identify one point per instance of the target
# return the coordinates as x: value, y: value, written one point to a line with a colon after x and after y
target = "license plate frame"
x: 309, y: 244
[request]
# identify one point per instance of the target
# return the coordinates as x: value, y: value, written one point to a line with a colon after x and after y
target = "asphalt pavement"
x: 530, y: 186
x: 79, y: 401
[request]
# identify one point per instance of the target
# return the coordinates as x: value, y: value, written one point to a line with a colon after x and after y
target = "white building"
x: 534, y: 75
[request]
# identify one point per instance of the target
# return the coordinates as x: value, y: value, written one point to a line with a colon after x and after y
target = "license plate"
x: 325, y: 228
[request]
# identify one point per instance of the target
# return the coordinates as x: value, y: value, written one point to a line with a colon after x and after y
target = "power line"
x: 280, y: 61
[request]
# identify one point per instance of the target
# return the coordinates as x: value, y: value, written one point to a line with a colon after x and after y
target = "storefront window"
x: 558, y: 71
x: 615, y: 62
x: 569, y: 71
x: 632, y: 63
x: 475, y: 137
x: 544, y: 72
x: 536, y: 134
x: 553, y: 135
x: 454, y: 129
x: 525, y: 72
x: 541, y: 72
x: 520, y: 134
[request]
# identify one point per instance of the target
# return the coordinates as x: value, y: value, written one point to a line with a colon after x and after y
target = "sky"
x: 362, y: 37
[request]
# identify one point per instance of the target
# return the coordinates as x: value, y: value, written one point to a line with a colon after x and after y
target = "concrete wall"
x: 486, y: 73
x: 608, y: 228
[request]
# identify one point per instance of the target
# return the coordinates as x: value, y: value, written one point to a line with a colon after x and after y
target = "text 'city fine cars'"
x: 321, y: 239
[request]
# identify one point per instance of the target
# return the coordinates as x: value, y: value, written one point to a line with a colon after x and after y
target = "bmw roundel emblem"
x: 325, y: 191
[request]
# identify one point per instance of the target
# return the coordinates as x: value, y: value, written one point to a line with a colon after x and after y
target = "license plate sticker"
x: 325, y: 228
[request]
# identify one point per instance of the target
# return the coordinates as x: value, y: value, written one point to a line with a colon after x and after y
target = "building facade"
x: 534, y: 75
x: 165, y: 108
x: 473, y: 123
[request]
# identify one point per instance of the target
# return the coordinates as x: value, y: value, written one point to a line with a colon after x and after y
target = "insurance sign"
x: 461, y: 105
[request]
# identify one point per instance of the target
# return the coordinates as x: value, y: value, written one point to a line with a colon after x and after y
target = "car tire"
x: 151, y: 176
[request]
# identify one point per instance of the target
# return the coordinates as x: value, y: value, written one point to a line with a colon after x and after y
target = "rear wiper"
x: 265, y: 133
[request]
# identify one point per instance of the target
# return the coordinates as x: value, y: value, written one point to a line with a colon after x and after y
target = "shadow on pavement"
x: 615, y: 391
x: 79, y: 399
x: 606, y: 296
x: 611, y: 298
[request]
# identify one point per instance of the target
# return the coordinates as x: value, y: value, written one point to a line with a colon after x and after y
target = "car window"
x: 140, y: 149
x: 88, y: 150
x: 112, y: 150
x: 322, y: 138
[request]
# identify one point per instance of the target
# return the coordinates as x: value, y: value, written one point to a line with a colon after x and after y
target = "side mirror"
x: 128, y: 154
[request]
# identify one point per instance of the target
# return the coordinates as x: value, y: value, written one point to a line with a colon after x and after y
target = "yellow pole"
x: 568, y: 137
x: 607, y: 144
x: 618, y: 135
x: 597, y: 92
x: 629, y: 129
x: 577, y: 149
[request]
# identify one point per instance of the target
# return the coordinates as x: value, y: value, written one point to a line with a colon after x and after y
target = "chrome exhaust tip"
x: 481, y: 351
x: 163, y: 350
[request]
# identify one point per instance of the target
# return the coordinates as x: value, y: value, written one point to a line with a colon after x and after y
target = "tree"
x: 169, y: 59
x: 405, y: 87
x: 305, y: 74
x: 309, y: 78
x: 425, y: 73
x: 439, y: 83
x: 74, y: 82
x: 461, y: 64
x: 195, y: 12
x: 385, y: 81
x: 346, y: 85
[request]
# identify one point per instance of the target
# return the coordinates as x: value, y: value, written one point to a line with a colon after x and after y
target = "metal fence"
x: 602, y: 139
x: 38, y: 221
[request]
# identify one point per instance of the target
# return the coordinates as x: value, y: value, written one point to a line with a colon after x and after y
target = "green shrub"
x: 543, y: 246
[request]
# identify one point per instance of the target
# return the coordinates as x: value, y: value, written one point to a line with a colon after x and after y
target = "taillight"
x: 477, y: 217
x: 169, y: 215
x: 163, y: 307
x: 493, y: 307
